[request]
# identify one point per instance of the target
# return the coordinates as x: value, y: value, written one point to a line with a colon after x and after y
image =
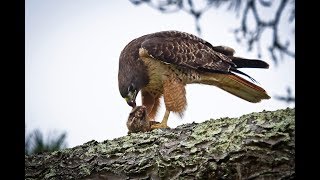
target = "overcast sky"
x: 72, y: 52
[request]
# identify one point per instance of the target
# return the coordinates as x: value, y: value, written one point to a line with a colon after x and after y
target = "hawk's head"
x: 132, y: 74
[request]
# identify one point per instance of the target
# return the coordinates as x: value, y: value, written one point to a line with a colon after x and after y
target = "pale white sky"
x: 72, y: 51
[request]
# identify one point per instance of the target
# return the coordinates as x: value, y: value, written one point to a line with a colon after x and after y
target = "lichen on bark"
x: 259, y: 145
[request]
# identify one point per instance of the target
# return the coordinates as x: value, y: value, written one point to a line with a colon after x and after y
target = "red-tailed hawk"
x: 162, y: 63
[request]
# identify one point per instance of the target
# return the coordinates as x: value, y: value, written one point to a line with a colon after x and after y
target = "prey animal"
x: 137, y: 120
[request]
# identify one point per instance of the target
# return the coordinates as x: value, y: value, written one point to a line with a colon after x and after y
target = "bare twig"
x: 252, y: 37
x: 287, y: 98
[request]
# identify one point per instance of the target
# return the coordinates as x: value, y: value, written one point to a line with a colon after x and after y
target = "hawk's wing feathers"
x: 224, y: 50
x: 249, y: 63
x: 187, y: 50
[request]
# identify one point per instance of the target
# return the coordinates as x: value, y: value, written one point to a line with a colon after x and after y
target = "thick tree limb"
x: 254, y: 146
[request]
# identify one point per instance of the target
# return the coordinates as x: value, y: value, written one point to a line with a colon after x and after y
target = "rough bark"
x: 253, y: 146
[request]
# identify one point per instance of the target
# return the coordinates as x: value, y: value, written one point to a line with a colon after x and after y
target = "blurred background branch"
x: 36, y: 143
x: 252, y: 37
x: 288, y: 98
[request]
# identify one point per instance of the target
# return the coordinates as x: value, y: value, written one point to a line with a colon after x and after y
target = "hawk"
x: 163, y: 63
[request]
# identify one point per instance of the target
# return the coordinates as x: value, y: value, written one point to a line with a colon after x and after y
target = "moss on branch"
x: 253, y: 146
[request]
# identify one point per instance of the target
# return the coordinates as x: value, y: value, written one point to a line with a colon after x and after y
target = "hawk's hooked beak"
x: 131, y: 103
x: 131, y: 99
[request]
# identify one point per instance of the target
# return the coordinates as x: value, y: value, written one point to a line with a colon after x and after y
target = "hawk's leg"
x: 174, y: 95
x: 152, y: 103
x: 163, y: 123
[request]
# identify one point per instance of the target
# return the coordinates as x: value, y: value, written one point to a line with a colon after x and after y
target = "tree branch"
x: 257, y: 145
x: 288, y: 98
x: 253, y: 37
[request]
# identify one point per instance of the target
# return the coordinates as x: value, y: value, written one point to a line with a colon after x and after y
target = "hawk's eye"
x: 130, y: 88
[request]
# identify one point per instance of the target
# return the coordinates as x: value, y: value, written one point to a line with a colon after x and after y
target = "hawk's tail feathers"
x: 243, y: 88
x: 237, y: 86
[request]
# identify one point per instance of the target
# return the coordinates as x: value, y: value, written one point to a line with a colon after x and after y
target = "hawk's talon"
x: 163, y: 123
x: 159, y: 126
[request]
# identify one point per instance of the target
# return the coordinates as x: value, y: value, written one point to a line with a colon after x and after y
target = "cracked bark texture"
x: 253, y: 146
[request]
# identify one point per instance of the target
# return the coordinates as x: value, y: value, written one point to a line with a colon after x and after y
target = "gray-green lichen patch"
x: 84, y: 170
x: 50, y: 174
x: 191, y: 151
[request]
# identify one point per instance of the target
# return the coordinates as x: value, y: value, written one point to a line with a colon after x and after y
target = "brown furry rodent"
x: 137, y: 120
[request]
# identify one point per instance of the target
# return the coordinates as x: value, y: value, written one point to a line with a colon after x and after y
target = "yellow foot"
x: 163, y: 123
x: 159, y: 126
